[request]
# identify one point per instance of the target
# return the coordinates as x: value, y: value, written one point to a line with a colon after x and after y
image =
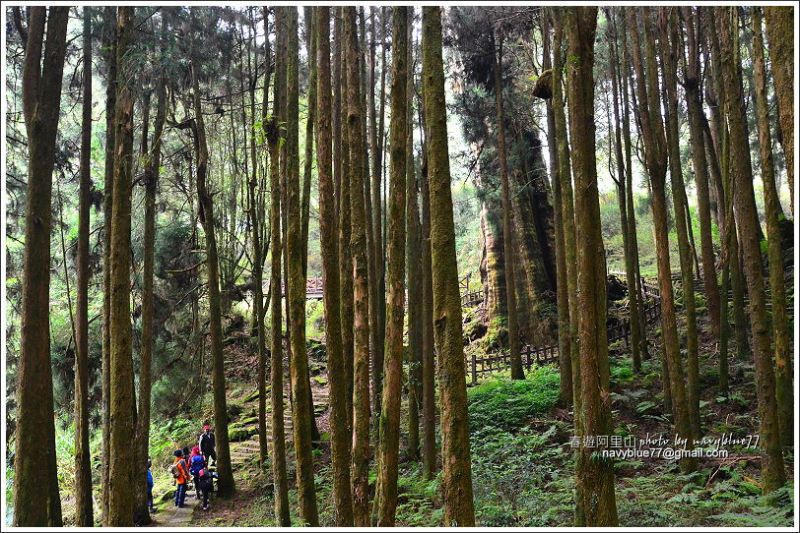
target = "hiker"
x: 150, y: 487
x: 207, y: 444
x: 196, y: 464
x: 181, y: 477
x: 205, y: 482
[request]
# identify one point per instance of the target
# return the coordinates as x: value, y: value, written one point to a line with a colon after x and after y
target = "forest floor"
x: 523, y: 466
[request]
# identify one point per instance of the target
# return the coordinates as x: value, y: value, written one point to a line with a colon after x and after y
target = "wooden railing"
x: 532, y: 355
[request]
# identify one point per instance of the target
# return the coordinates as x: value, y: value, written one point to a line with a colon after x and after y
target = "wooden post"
x: 474, y: 368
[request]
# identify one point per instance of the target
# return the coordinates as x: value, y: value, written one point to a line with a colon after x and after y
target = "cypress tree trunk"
x: 692, y: 87
x: 302, y: 413
x: 595, y: 476
x: 568, y: 212
x: 562, y: 295
x: 780, y: 329
x: 84, y: 515
x: 36, y: 495
x: 279, y: 475
x: 358, y: 247
x: 457, y: 476
x: 340, y: 435
x: 780, y: 32
x: 772, y: 468
x: 123, y: 403
x: 225, y: 483
x: 669, y: 43
x: 508, y: 217
x: 389, y: 443
x: 413, y: 267
x: 345, y: 224
x: 652, y: 131
x: 110, y: 45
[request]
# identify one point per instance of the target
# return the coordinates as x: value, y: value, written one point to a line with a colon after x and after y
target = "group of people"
x: 195, y: 466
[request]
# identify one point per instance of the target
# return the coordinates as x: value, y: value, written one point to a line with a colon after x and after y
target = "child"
x: 181, y: 476
x: 205, y: 481
x: 150, y: 487
x: 196, y: 464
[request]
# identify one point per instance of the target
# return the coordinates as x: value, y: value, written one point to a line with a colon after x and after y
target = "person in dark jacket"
x: 208, y: 444
x: 205, y: 482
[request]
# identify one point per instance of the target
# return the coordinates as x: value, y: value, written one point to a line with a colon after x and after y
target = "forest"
x: 393, y: 265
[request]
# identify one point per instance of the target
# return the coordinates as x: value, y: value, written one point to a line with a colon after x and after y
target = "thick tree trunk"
x: 780, y: 329
x: 36, y: 494
x: 358, y: 248
x: 595, y: 476
x: 457, y: 476
x: 302, y: 413
x: 123, y: 401
x: 389, y: 443
x: 772, y: 469
x: 340, y: 435
x: 84, y: 515
x: 780, y: 32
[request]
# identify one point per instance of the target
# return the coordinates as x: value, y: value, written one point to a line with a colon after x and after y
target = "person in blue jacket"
x: 150, y: 487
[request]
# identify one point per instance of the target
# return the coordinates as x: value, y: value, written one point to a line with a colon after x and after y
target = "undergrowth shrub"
x: 509, y: 404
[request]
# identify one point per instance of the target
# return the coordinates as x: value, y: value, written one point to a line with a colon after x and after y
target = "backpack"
x: 196, y: 465
x: 174, y: 471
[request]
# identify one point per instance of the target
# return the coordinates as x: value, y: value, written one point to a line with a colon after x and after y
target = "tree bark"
x: 358, y: 248
x: 36, y: 494
x: 457, y: 474
x: 594, y: 475
x: 123, y: 401
x: 389, y: 443
x: 84, y: 515
x: 340, y: 436
x: 780, y: 329
x: 772, y: 469
x: 780, y: 32
x: 279, y: 475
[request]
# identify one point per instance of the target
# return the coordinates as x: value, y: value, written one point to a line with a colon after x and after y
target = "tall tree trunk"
x: 780, y: 321
x: 655, y: 151
x: 595, y: 476
x: 36, y: 494
x: 123, y: 401
x: 623, y: 191
x: 358, y: 248
x: 414, y: 274
x: 340, y: 435
x: 279, y: 475
x: 669, y: 43
x: 772, y: 469
x: 110, y: 47
x: 308, y: 163
x: 562, y: 294
x: 302, y: 413
x: 692, y: 88
x: 568, y: 213
x: 225, y: 484
x: 780, y: 32
x: 457, y: 475
x: 389, y: 443
x: 84, y: 515
x: 508, y: 214
x: 345, y: 224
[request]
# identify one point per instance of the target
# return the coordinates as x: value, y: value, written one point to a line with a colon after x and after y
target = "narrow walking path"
x: 178, y: 517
